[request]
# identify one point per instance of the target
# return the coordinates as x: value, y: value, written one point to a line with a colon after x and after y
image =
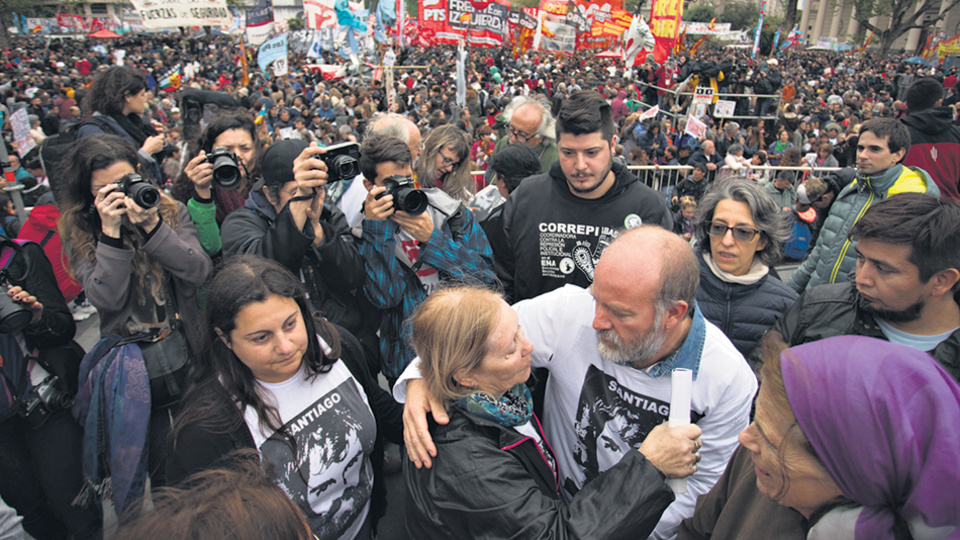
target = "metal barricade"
x: 676, y: 95
x: 664, y: 177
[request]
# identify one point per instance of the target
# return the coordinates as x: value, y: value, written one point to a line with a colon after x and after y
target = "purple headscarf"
x: 885, y: 421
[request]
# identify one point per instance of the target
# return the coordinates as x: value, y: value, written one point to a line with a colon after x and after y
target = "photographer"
x: 407, y: 254
x: 140, y: 264
x: 114, y: 104
x: 39, y: 459
x: 285, y: 219
x: 210, y: 201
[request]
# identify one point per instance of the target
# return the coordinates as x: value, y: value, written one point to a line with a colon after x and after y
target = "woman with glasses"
x: 444, y: 163
x: 740, y: 231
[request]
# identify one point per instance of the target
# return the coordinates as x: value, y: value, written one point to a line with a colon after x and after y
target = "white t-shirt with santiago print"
x: 327, y: 469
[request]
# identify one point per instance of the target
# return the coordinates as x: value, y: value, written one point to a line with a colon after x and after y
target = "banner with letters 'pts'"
x: 453, y: 20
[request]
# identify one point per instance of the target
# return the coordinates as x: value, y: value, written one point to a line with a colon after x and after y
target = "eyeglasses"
x: 740, y: 233
x: 520, y: 136
x: 447, y: 161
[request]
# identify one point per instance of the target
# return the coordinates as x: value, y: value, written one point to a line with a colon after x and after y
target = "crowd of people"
x: 260, y: 251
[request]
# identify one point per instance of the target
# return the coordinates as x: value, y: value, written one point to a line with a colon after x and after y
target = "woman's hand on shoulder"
x: 416, y: 431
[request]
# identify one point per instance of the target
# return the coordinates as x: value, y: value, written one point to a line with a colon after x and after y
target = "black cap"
x: 277, y: 164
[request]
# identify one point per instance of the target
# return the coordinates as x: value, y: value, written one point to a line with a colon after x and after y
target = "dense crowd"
x: 260, y: 249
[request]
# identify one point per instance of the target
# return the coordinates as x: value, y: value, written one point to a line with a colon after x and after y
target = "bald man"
x: 610, y: 351
x: 529, y: 122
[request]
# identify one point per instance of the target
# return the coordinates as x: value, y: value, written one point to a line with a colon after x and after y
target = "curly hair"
x: 225, y: 121
x: 763, y: 209
x: 79, y: 221
x: 110, y: 88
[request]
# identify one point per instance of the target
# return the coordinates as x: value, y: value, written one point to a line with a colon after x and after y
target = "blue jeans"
x: 40, y: 475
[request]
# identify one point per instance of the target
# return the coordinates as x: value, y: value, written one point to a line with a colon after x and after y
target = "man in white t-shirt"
x: 907, y: 279
x: 611, y: 350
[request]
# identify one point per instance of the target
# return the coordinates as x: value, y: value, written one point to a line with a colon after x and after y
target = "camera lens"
x: 226, y: 173
x: 345, y: 167
x: 146, y: 195
x: 410, y: 200
x: 14, y: 317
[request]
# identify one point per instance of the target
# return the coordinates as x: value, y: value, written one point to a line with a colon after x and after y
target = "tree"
x: 790, y: 16
x: 700, y: 13
x: 743, y: 15
x: 7, y: 9
x: 295, y: 24
x: 904, y: 15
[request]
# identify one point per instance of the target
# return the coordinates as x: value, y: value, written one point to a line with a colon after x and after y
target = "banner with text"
x: 259, y: 22
x: 665, y: 19
x: 174, y: 13
x: 274, y: 52
x: 449, y: 21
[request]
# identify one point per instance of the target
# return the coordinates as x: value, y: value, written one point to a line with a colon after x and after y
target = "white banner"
x: 21, y: 131
x: 724, y: 108
x: 700, y: 28
x: 174, y: 13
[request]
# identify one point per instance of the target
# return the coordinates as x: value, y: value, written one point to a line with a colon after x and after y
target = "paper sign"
x: 703, y: 94
x: 695, y: 127
x: 724, y: 109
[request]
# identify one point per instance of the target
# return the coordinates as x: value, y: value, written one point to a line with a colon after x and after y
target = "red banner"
x: 453, y: 20
x: 665, y: 18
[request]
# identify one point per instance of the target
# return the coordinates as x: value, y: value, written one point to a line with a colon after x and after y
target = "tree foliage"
x: 903, y: 15
x: 700, y: 13
x: 742, y: 15
x: 295, y: 24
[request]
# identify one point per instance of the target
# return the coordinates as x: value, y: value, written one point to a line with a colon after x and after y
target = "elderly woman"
x: 496, y: 475
x: 854, y: 438
x: 445, y: 162
x: 740, y: 231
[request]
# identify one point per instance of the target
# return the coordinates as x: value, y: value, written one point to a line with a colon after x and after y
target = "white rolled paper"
x: 680, y: 391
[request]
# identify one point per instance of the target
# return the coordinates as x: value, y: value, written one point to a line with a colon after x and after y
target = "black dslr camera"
x: 45, y: 399
x: 145, y: 194
x: 226, y: 168
x: 343, y: 161
x: 405, y: 197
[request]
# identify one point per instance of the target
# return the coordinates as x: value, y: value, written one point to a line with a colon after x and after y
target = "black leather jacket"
x: 830, y: 310
x: 491, y: 482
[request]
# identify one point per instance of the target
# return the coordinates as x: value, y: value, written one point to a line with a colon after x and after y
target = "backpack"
x: 799, y: 244
x: 56, y: 146
x: 14, y: 380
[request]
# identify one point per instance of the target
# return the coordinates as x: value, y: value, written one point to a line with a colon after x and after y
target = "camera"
x: 14, y: 316
x: 343, y: 161
x: 45, y: 399
x: 226, y: 171
x: 405, y: 197
x: 145, y: 194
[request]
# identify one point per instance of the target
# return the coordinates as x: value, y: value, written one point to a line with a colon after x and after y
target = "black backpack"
x: 56, y: 146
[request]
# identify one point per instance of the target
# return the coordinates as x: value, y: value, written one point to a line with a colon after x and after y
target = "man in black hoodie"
x: 934, y: 139
x: 558, y: 223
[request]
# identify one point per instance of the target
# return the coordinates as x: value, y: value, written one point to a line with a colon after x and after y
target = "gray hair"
x: 547, y: 129
x: 390, y: 125
x: 766, y: 214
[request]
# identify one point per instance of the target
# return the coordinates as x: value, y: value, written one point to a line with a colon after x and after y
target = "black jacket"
x: 332, y: 272
x: 935, y: 147
x: 690, y: 187
x: 491, y: 482
x: 202, y: 447
x: 742, y: 312
x: 830, y: 310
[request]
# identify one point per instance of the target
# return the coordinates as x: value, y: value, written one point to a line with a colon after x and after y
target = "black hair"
x: 929, y: 225
x: 923, y: 94
x: 513, y: 163
x: 382, y: 149
x: 111, y: 87
x: 584, y: 113
x: 899, y: 136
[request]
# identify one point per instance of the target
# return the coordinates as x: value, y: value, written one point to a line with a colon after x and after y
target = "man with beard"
x: 557, y: 224
x: 611, y: 350
x: 908, y: 275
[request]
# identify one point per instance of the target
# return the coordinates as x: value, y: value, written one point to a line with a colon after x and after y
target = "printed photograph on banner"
x: 695, y: 127
x: 724, y: 108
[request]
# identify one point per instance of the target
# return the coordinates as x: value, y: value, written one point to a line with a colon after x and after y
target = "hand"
x: 711, y: 166
x: 313, y: 215
x: 674, y: 451
x: 674, y: 200
x: 19, y: 295
x: 153, y: 144
x: 145, y: 218
x: 420, y: 227
x: 309, y: 171
x: 157, y: 126
x: 109, y: 204
x: 416, y: 434
x: 200, y: 173
x: 377, y: 209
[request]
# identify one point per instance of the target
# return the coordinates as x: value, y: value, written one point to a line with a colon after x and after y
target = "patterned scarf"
x: 515, y: 408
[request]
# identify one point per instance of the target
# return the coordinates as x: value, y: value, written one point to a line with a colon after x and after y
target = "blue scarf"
x: 514, y: 409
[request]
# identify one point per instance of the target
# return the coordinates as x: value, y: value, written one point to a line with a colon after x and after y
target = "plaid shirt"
x: 397, y: 290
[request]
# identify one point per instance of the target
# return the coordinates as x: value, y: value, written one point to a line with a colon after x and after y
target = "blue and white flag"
x: 272, y: 51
